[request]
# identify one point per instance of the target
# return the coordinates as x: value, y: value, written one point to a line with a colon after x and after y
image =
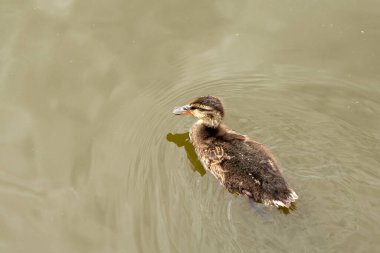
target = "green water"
x: 92, y: 159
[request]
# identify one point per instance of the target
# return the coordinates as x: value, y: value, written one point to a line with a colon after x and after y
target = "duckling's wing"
x: 253, y: 171
x: 262, y: 155
x: 212, y: 158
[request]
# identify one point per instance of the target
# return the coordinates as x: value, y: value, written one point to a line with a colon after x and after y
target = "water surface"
x: 92, y: 160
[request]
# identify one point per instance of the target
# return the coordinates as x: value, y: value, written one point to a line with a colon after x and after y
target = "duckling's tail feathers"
x: 286, y: 202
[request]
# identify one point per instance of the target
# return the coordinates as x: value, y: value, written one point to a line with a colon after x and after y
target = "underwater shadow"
x: 182, y: 140
x: 289, y: 210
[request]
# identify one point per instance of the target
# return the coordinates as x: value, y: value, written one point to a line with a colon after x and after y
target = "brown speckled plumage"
x: 242, y: 165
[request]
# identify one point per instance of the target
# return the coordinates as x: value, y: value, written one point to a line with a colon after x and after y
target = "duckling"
x: 240, y: 164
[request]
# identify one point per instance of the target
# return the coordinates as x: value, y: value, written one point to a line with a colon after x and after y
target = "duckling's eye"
x: 196, y: 108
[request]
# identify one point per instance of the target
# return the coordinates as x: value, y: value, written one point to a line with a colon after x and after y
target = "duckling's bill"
x: 182, y: 110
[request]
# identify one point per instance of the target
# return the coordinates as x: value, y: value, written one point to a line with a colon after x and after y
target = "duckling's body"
x: 242, y: 165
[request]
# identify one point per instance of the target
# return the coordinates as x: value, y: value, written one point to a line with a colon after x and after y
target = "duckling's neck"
x: 203, y: 131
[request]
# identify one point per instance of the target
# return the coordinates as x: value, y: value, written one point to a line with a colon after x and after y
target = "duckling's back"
x: 241, y: 165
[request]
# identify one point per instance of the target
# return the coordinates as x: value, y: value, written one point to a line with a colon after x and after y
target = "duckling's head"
x: 208, y: 109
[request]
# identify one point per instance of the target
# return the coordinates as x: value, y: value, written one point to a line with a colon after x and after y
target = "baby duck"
x: 242, y: 165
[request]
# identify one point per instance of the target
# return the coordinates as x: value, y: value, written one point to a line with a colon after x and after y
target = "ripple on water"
x: 304, y: 121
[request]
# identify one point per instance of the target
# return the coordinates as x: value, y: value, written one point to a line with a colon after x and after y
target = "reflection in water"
x: 182, y: 140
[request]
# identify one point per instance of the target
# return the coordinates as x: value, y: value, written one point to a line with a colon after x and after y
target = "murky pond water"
x: 92, y: 160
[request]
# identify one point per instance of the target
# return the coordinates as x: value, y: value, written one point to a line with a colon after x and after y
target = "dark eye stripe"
x: 193, y: 107
x: 204, y: 109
